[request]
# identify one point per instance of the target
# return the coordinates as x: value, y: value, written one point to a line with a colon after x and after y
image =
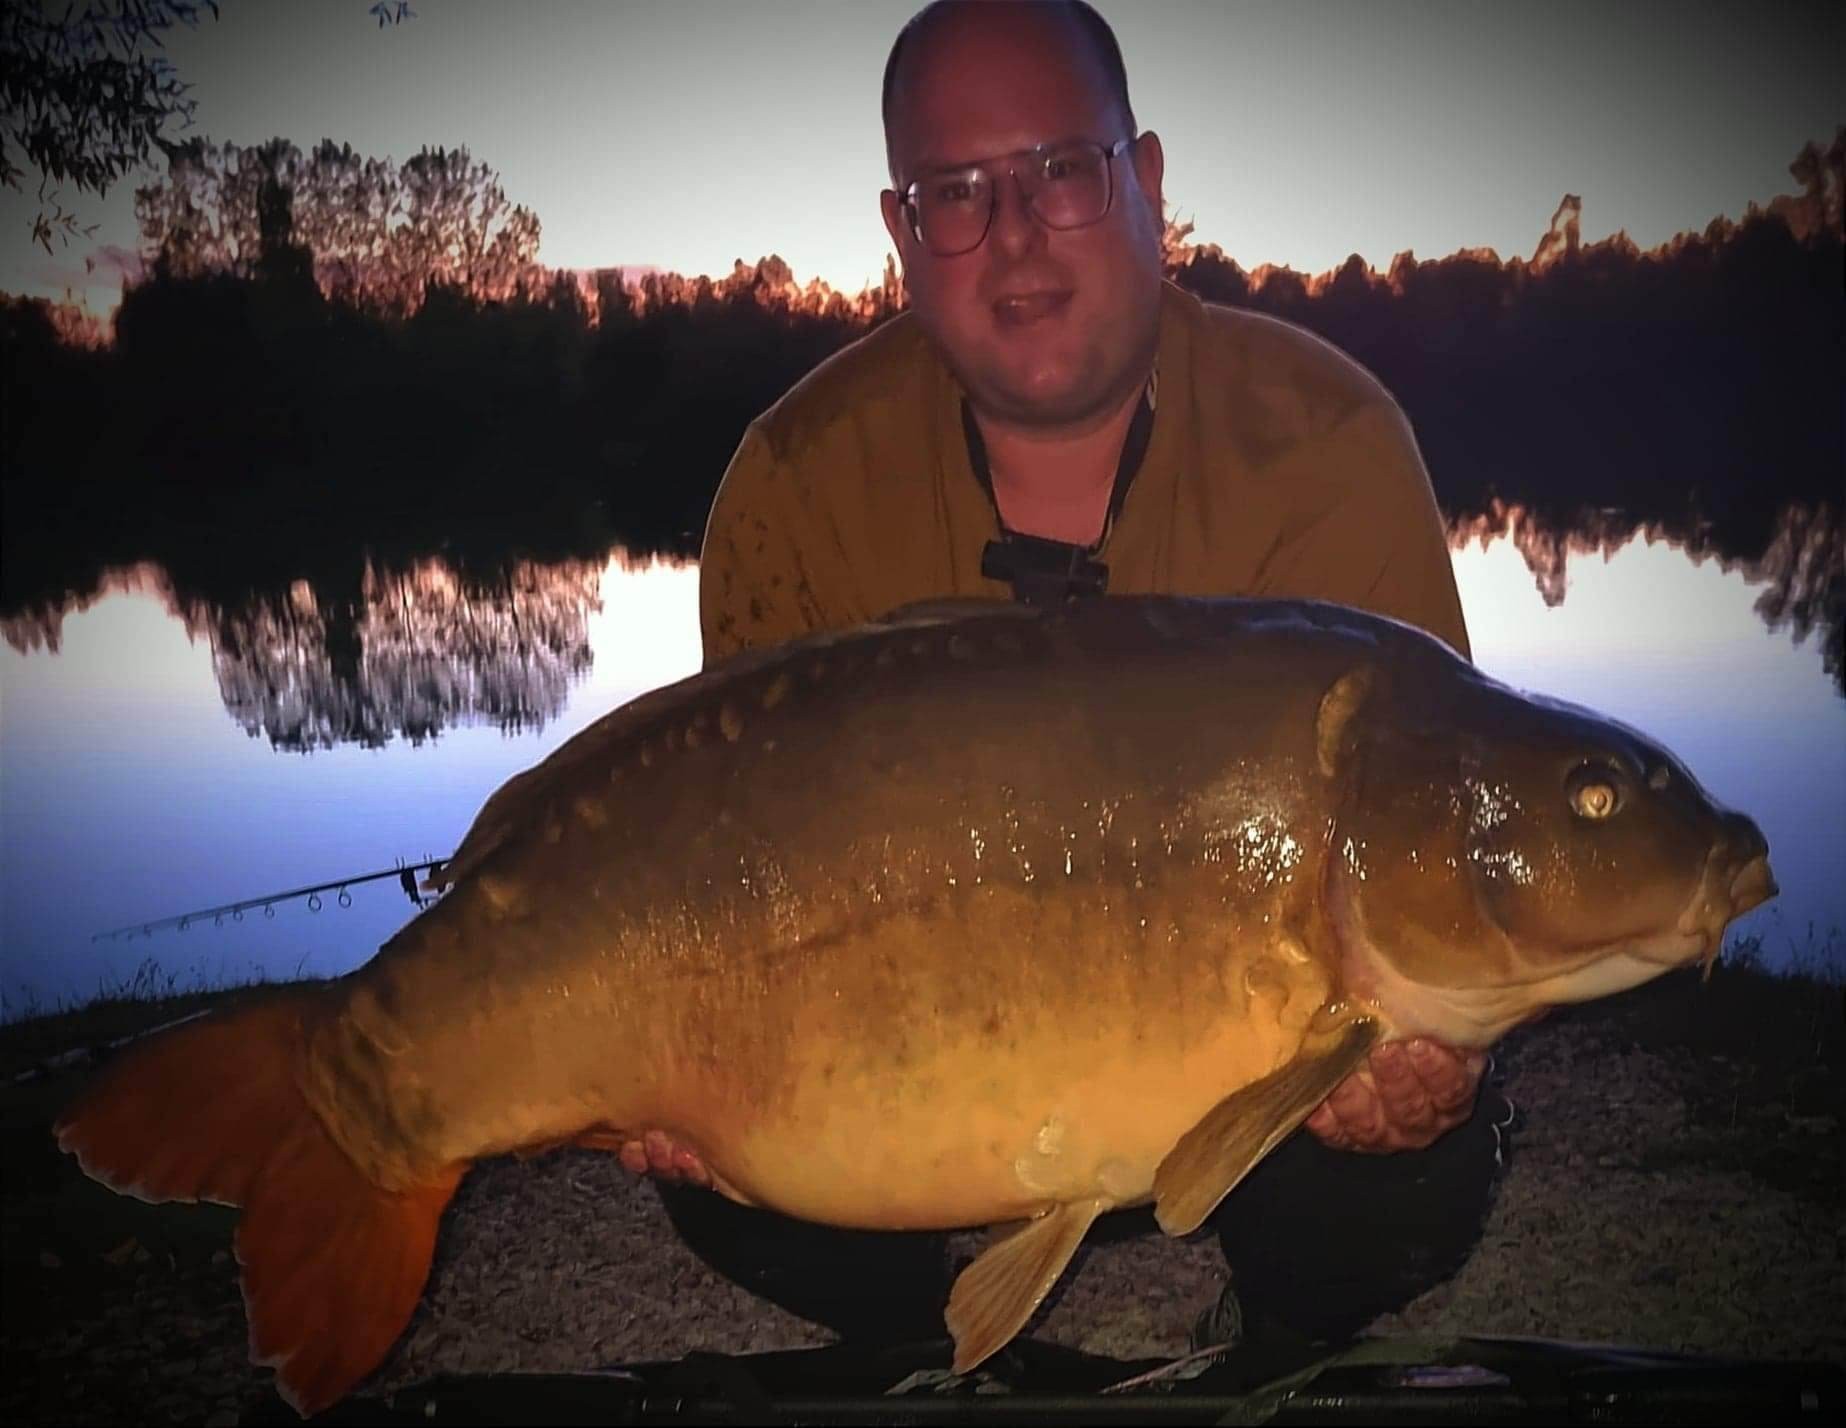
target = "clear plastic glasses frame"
x: 1031, y: 178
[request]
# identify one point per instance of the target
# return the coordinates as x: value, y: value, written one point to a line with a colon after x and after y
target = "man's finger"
x: 690, y: 1168
x: 1450, y: 1079
x: 1325, y: 1127
x: 1405, y: 1100
x: 1403, y: 1097
x: 1356, y: 1107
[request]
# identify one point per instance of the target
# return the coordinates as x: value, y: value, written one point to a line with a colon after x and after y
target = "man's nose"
x: 1014, y: 230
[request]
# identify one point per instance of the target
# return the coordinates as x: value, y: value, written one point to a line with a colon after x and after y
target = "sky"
x: 689, y: 135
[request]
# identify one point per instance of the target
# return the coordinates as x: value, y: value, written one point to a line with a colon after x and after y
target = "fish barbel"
x: 974, y: 915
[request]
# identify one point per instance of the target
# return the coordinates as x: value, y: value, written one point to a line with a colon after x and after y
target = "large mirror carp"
x: 975, y: 915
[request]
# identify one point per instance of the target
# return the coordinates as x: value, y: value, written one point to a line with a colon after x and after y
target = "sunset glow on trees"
x: 378, y: 233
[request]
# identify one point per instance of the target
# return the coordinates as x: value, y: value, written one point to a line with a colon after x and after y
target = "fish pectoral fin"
x: 1208, y: 1160
x: 994, y: 1296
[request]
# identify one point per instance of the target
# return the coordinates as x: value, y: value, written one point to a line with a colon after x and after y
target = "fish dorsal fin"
x: 1246, y: 1125
x: 525, y: 796
x: 489, y: 830
x: 946, y: 609
x: 994, y: 1296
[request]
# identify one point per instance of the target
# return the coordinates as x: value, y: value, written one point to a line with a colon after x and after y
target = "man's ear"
x: 895, y: 223
x: 1150, y: 168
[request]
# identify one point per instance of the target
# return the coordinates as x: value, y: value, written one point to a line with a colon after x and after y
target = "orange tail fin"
x: 333, y: 1264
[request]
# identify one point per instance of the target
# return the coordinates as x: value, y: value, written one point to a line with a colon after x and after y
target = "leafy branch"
x: 86, y: 96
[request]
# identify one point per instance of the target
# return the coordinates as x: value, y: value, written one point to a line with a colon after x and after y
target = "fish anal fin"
x: 532, y: 1150
x: 1208, y: 1160
x: 604, y: 1137
x: 333, y: 1263
x: 994, y: 1296
x: 599, y: 1136
x: 333, y: 1266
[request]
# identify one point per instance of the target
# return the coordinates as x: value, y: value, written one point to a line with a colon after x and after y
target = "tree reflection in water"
x: 408, y: 652
x: 1802, y: 569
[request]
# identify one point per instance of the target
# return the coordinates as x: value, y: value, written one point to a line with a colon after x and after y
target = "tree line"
x: 330, y: 353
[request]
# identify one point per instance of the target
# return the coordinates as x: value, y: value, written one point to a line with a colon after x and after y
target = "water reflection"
x: 1801, y: 570
x: 128, y: 795
x: 409, y: 653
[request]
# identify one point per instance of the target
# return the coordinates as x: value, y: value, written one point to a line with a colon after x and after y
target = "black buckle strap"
x: 1043, y: 572
x: 1049, y: 572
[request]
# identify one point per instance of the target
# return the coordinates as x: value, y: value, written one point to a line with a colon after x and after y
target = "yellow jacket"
x: 1277, y: 466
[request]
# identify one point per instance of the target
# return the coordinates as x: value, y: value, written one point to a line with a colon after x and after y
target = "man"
x: 1049, y: 417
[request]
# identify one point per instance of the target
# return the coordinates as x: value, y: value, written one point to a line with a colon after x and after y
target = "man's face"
x: 992, y: 82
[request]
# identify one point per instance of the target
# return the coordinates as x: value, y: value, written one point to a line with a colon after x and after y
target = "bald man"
x: 1050, y: 419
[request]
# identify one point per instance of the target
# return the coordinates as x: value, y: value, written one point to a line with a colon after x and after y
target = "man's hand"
x: 1406, y: 1094
x: 658, y: 1154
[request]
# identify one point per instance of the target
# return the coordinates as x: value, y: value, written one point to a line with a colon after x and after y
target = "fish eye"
x: 1594, y: 792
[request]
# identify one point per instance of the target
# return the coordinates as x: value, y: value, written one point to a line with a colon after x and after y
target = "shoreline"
x: 1675, y: 1178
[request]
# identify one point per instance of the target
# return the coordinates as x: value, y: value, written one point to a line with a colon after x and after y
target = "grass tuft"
x: 149, y: 996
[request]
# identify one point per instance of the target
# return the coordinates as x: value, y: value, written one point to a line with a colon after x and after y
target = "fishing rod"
x: 403, y: 872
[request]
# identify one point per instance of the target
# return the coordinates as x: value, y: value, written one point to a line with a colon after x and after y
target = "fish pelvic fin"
x: 994, y: 1296
x: 1207, y: 1162
x: 332, y: 1263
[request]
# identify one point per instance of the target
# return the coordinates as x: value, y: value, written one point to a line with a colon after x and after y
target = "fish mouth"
x: 1753, y: 886
x: 1735, y: 881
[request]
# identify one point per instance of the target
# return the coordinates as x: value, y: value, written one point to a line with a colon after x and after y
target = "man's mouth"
x: 1024, y: 309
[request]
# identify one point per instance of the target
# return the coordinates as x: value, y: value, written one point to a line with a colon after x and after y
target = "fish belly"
x: 974, y: 1136
x: 972, y: 1086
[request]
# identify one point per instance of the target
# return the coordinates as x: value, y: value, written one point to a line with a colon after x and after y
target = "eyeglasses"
x: 1069, y: 185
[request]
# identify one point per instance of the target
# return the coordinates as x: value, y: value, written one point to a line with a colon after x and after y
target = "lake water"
x: 164, y: 759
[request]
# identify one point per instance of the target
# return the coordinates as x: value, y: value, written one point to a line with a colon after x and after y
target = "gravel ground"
x: 1658, y: 1197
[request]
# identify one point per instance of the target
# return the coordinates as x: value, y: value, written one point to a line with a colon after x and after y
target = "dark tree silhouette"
x: 378, y: 233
